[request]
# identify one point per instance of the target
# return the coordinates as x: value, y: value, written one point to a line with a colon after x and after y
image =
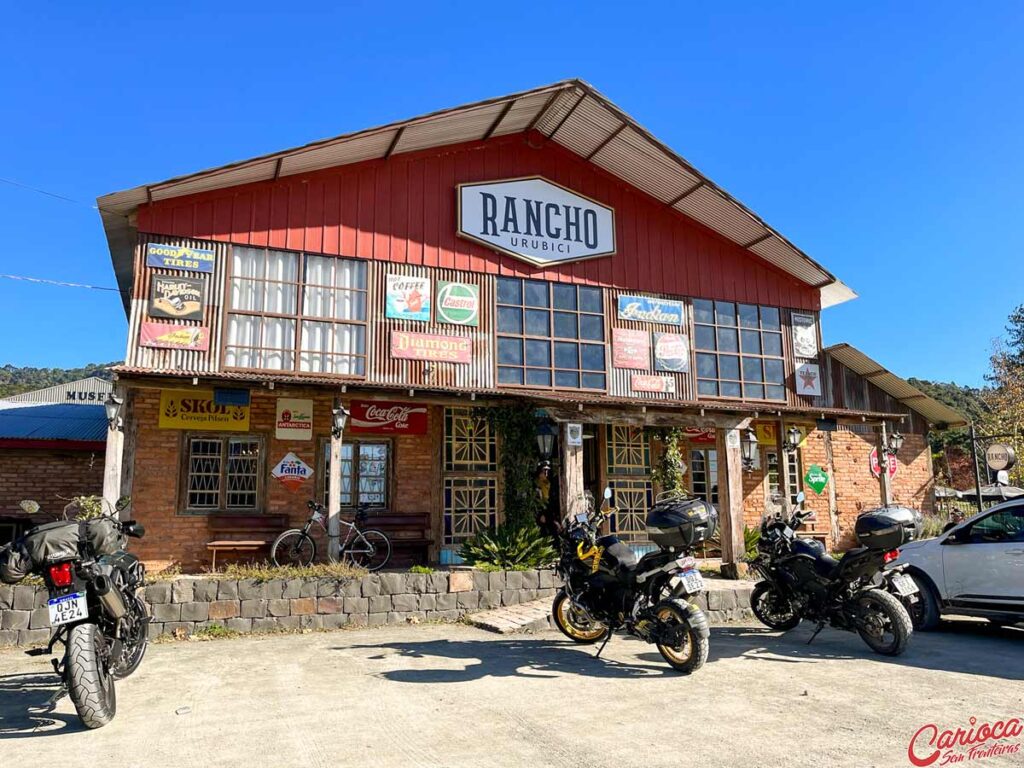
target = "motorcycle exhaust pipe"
x: 110, y: 597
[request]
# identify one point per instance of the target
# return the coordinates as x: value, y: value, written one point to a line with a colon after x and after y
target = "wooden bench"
x: 409, y: 534
x: 243, y: 533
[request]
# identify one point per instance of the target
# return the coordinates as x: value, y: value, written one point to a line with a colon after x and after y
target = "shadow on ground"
x: 26, y: 710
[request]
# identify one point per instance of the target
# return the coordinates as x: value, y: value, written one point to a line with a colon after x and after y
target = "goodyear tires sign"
x: 195, y: 409
x: 179, y: 257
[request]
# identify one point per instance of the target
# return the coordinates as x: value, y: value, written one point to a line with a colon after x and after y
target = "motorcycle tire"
x: 90, y: 684
x: 782, y: 622
x: 568, y: 619
x: 890, y: 610
x: 133, y: 656
x: 691, y: 654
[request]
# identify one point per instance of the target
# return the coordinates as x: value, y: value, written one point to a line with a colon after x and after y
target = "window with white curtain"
x: 296, y: 312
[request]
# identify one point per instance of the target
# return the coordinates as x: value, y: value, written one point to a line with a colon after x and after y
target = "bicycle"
x: 365, y: 548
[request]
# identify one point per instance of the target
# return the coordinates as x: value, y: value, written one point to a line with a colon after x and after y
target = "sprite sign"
x: 458, y: 303
x: 816, y: 478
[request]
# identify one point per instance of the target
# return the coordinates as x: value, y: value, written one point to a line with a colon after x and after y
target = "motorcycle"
x: 606, y: 588
x: 95, y: 611
x: 856, y: 593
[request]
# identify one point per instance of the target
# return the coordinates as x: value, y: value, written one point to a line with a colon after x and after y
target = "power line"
x: 59, y: 197
x: 60, y: 283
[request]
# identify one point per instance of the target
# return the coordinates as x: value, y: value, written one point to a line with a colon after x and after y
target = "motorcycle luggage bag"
x: 59, y: 541
x: 681, y: 523
x: 15, y: 565
x: 888, y: 527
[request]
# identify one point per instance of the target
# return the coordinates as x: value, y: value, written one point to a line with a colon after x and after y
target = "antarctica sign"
x: 536, y: 221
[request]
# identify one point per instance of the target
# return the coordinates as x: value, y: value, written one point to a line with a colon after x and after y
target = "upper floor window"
x: 296, y: 312
x: 739, y: 350
x: 550, y: 335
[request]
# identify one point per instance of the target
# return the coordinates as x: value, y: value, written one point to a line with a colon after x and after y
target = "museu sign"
x: 536, y: 221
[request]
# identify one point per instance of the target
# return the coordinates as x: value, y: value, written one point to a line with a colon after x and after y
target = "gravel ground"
x: 452, y: 695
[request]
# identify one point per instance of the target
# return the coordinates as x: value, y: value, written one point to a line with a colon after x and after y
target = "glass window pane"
x: 592, y: 357
x: 773, y: 372
x: 748, y: 315
x: 563, y: 296
x: 510, y: 291
x: 590, y: 300
x: 510, y: 320
x: 510, y: 351
x: 510, y: 375
x: 751, y: 341
x: 535, y: 293
x: 704, y: 337
x: 703, y: 311
x: 727, y: 341
x: 725, y: 312
x: 752, y: 370
x: 707, y: 367
x: 770, y: 319
x: 567, y: 379
x: 755, y: 391
x: 775, y: 392
x: 538, y: 377
x: 730, y: 389
x: 707, y: 387
x: 538, y: 353
x: 772, y: 343
x: 593, y: 381
x: 592, y: 327
x: 537, y: 323
x: 565, y: 325
x: 566, y: 355
x: 729, y: 367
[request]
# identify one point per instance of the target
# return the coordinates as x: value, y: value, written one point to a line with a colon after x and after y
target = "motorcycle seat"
x: 826, y: 565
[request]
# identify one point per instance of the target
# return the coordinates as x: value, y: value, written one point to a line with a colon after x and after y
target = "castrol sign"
x: 384, y: 417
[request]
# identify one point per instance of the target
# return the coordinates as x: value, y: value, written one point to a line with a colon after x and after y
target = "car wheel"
x: 925, y: 612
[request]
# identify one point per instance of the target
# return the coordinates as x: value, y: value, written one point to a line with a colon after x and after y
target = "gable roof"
x: 78, y: 423
x: 571, y: 113
x: 59, y: 392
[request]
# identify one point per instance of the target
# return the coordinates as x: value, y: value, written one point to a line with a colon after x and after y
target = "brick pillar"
x: 730, y: 521
x: 570, y: 480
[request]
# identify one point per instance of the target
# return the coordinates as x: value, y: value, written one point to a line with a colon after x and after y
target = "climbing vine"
x: 516, y: 428
x: 668, y: 473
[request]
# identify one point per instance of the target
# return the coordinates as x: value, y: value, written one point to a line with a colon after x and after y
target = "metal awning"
x: 571, y: 113
x: 930, y: 409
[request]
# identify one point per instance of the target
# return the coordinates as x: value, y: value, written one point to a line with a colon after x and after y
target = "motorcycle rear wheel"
x: 132, y: 657
x: 883, y: 623
x: 575, y: 623
x: 90, y: 684
x: 692, y: 652
x: 767, y: 605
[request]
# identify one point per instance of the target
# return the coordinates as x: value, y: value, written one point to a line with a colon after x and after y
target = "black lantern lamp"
x: 749, y: 448
x: 112, y: 405
x: 339, y: 417
x: 793, y: 437
x: 546, y: 440
x: 895, y: 442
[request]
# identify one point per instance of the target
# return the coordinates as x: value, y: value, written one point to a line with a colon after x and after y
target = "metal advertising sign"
x: 999, y: 457
x: 805, y: 335
x: 167, y: 336
x: 816, y: 478
x: 431, y: 346
x: 876, y: 469
x: 384, y: 417
x: 671, y: 352
x: 641, y: 382
x: 293, y: 419
x: 458, y: 303
x: 767, y: 433
x: 647, y: 309
x: 177, y: 298
x: 574, y: 435
x: 179, y: 257
x: 808, y: 380
x: 292, y: 472
x: 700, y: 435
x: 408, y: 298
x: 631, y: 349
x: 535, y: 221
x: 196, y: 409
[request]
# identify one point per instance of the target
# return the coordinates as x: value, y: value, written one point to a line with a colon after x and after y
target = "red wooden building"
x: 541, y: 246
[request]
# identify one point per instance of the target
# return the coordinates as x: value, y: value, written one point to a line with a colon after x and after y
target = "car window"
x: 1006, y: 525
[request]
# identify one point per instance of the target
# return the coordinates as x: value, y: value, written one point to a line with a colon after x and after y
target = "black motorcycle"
x: 95, y: 611
x: 606, y: 588
x: 855, y: 593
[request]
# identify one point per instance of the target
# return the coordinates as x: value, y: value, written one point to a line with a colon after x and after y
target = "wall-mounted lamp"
x: 546, y: 440
x: 339, y: 417
x: 894, y: 443
x: 112, y: 405
x: 749, y: 448
x: 793, y: 438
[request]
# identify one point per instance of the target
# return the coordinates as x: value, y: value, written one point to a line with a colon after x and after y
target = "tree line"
x: 15, y: 380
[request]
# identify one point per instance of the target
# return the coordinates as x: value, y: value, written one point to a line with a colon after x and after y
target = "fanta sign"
x: 195, y: 409
x: 292, y: 472
x: 379, y: 416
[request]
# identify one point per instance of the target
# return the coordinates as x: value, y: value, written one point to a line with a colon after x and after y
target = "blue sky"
x: 882, y: 138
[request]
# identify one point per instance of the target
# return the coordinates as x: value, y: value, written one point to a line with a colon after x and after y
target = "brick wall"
x: 47, y: 476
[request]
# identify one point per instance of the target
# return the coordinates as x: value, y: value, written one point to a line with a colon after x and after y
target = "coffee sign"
x: 536, y: 221
x: 177, y: 298
x: 385, y: 417
x: 408, y: 297
x: 458, y: 303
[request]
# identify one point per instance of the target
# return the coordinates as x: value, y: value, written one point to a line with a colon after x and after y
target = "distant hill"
x: 968, y: 400
x: 14, y: 380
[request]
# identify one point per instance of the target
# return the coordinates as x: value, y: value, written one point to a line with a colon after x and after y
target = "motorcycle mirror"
x: 123, y: 503
x: 29, y: 506
x: 608, y: 494
x: 800, y: 497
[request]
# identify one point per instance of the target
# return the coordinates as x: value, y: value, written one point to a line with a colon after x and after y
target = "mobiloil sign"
x: 179, y: 257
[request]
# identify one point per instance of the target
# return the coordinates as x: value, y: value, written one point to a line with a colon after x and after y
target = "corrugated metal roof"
x: 68, y: 394
x: 571, y: 113
x: 899, y: 389
x: 54, y: 422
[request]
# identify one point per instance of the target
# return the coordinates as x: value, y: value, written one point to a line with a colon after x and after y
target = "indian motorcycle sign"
x: 385, y: 417
x: 536, y: 221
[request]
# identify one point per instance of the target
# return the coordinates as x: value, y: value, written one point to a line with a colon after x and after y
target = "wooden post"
x: 570, y: 479
x: 113, y: 456
x: 730, y: 522
x: 883, y: 467
x: 334, y: 494
x: 833, y: 503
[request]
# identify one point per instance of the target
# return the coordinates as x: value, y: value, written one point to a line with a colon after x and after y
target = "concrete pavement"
x: 452, y: 695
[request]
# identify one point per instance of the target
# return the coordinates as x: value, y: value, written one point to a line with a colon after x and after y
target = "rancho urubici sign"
x: 536, y: 221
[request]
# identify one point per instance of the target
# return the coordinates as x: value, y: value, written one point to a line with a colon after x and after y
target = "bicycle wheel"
x: 293, y: 548
x: 369, y: 549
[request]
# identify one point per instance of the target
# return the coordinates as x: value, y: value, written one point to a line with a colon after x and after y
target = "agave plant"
x: 751, y: 538
x: 509, y: 547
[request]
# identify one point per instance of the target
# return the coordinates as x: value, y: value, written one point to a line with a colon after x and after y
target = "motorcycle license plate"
x: 904, y: 585
x: 66, y: 609
x: 692, y: 581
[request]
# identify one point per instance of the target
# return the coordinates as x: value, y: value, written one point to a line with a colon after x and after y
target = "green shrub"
x: 751, y: 538
x: 421, y: 569
x: 509, y: 547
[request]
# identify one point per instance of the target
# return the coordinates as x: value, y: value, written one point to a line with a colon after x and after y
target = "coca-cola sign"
x: 380, y: 416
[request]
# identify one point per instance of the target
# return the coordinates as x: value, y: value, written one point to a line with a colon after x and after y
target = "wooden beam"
x: 603, y: 144
x: 543, y: 110
x: 687, y: 193
x: 394, y: 142
x: 731, y: 520
x: 758, y: 239
x: 494, y: 126
x: 567, y: 115
x: 570, y: 478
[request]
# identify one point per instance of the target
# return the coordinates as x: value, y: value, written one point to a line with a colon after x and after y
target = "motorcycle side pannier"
x: 681, y: 523
x: 888, y: 527
x: 58, y: 541
x: 15, y: 565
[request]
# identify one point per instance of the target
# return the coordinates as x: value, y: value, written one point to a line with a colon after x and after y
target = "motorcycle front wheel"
x: 883, y: 623
x: 575, y: 623
x: 772, y: 609
x: 690, y: 649
x: 90, y: 684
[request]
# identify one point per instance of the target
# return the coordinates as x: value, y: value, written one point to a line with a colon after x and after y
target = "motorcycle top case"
x: 54, y: 542
x: 15, y: 564
x: 888, y: 527
x: 681, y: 523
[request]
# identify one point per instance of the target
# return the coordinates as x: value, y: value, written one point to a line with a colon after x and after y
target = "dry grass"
x: 267, y: 572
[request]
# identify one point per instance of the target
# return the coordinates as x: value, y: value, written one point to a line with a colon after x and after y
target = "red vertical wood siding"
x: 403, y: 210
